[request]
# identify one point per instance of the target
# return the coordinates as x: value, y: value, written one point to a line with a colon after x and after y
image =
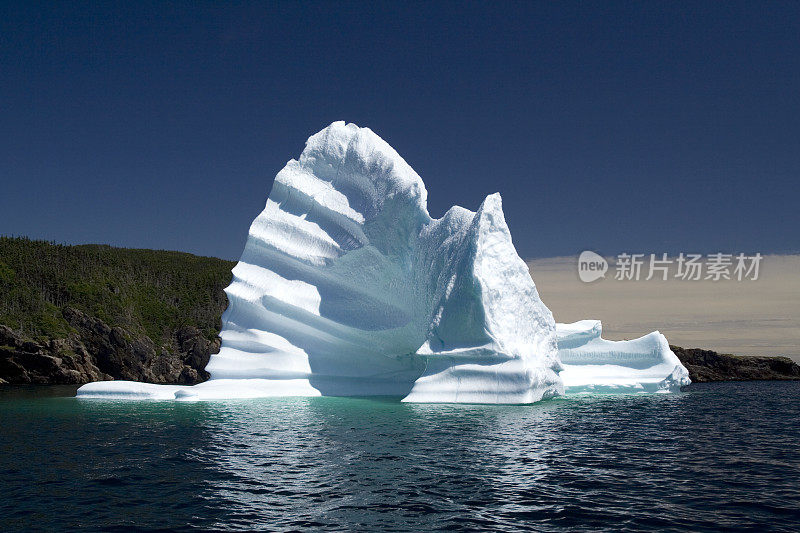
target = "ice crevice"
x: 347, y: 287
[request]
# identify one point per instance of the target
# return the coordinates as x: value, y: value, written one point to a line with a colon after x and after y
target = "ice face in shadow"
x: 347, y: 287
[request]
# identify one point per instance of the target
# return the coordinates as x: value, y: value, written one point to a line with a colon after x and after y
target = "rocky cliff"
x: 98, y: 351
x: 706, y: 365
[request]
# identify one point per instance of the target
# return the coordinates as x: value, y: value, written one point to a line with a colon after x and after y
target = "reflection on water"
x: 713, y: 457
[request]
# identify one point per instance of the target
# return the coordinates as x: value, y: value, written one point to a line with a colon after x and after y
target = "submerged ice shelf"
x: 348, y: 287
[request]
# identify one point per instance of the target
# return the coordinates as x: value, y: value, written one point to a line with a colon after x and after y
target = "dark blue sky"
x: 609, y: 126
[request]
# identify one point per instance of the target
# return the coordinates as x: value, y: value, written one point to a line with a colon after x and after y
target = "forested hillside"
x: 149, y: 292
x: 52, y: 291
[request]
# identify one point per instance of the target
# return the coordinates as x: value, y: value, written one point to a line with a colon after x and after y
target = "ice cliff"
x: 347, y: 286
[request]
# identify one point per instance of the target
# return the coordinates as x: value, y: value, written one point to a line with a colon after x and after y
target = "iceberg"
x: 596, y: 365
x: 348, y: 287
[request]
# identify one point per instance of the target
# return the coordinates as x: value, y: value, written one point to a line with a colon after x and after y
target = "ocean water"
x: 717, y: 456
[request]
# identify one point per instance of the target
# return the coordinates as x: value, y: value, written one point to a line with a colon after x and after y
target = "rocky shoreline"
x: 97, y: 351
x: 707, y: 365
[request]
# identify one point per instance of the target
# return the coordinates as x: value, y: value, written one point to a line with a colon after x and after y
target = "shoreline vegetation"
x: 75, y: 314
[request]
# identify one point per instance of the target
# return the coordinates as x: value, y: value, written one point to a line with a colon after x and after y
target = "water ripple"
x: 714, y: 457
